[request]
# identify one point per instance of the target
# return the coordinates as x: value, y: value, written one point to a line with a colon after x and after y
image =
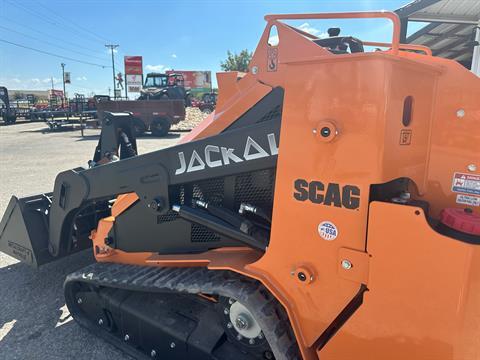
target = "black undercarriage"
x: 171, y: 313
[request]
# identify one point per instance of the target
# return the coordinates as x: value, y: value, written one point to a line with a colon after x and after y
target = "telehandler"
x: 328, y: 209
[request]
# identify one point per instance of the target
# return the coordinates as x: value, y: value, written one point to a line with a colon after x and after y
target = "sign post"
x: 67, y: 78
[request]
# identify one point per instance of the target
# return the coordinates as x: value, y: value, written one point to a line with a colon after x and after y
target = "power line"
x: 48, y: 19
x: 49, y: 35
x: 70, y: 22
x: 21, y: 7
x: 51, y: 44
x: 51, y: 20
x: 52, y: 54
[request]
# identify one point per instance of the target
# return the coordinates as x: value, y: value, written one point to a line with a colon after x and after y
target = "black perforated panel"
x: 256, y: 188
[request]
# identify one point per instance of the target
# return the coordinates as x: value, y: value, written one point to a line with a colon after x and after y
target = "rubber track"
x: 268, y: 312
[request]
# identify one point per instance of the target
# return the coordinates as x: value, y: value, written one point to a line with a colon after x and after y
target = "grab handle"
x: 415, y: 47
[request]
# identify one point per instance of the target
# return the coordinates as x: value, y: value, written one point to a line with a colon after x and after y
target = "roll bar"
x: 349, y: 15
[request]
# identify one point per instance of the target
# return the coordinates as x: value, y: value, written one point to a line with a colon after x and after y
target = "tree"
x: 237, y: 62
x: 18, y: 96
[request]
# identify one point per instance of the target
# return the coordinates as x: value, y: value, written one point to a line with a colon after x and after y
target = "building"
x: 25, y: 94
x: 452, y: 29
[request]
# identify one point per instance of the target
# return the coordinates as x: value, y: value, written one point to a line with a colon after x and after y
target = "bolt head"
x: 156, y: 204
x: 172, y: 345
x: 268, y: 355
x: 239, y: 337
x: 251, y: 341
x: 346, y: 264
x: 231, y: 301
x: 226, y: 311
x: 126, y: 338
x: 472, y: 167
x: 325, y: 131
x: 153, y: 353
x: 100, y: 322
x: 301, y: 276
x: 79, y: 301
x: 241, y: 323
x: 255, y: 70
x: 260, y: 336
x: 229, y: 325
x: 460, y: 113
x: 153, y: 205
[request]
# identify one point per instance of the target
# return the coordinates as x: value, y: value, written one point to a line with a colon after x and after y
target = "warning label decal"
x: 466, y: 183
x: 468, y: 200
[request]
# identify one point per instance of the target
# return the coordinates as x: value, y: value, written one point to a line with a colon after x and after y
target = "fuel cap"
x: 463, y: 220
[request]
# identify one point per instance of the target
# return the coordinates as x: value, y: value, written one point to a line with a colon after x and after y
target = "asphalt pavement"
x: 34, y: 321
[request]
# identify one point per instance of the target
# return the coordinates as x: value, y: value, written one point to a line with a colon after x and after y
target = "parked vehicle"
x: 208, y: 103
x: 156, y: 116
x: 165, y: 86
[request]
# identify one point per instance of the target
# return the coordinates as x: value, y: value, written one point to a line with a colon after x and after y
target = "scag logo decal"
x: 347, y: 196
x: 327, y: 230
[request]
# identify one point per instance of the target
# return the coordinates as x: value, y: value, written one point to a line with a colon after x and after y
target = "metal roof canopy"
x: 454, y: 26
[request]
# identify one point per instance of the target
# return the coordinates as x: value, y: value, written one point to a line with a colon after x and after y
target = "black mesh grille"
x: 168, y: 216
x: 211, y: 190
x: 202, y: 234
x: 256, y: 188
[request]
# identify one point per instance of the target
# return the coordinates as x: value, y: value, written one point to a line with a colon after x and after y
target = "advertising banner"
x: 55, y: 93
x: 134, y: 82
x: 133, y: 65
x: 195, y: 80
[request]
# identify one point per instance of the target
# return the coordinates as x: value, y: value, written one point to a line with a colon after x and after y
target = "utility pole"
x: 63, y: 80
x: 51, y: 78
x: 64, y: 99
x: 126, y: 91
x: 112, y: 48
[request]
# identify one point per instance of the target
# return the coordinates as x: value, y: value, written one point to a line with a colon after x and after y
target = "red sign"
x: 133, y: 65
x: 55, y: 93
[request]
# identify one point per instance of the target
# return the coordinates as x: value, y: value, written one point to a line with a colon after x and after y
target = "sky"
x: 169, y: 34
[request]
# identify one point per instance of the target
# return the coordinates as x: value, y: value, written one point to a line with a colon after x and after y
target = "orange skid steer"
x: 328, y: 209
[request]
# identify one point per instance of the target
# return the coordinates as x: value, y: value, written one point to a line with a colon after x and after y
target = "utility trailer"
x: 7, y: 113
x: 156, y: 116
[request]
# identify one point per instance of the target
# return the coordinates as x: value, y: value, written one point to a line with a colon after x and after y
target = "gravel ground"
x: 34, y: 321
x: 193, y: 116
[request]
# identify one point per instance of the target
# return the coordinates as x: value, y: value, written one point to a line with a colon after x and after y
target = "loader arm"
x: 82, y: 196
x: 150, y: 175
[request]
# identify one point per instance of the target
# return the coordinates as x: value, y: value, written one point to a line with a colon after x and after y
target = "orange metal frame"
x: 349, y: 15
x: 424, y: 49
x: 423, y: 288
